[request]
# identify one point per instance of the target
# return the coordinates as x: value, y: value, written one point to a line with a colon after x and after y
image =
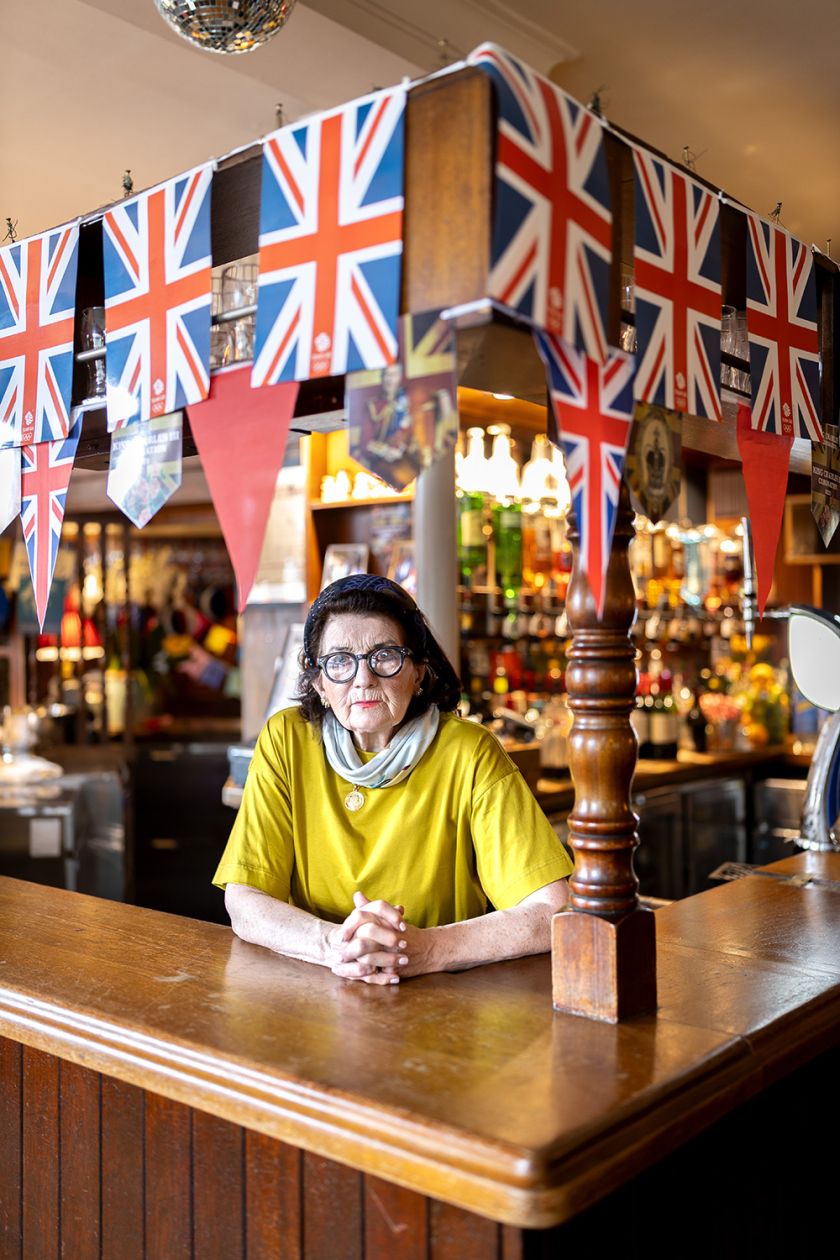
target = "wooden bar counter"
x: 168, y: 1090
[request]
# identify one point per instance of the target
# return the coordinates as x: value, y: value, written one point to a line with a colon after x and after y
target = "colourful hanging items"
x: 331, y: 222
x: 37, y: 310
x: 677, y: 286
x: 782, y: 328
x: 552, y: 226
x: 156, y: 250
x: 45, y: 475
x: 592, y: 409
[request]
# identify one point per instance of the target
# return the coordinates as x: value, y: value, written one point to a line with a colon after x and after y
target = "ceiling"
x: 91, y: 87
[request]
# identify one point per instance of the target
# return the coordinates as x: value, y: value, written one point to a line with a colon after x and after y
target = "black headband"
x: 363, y: 583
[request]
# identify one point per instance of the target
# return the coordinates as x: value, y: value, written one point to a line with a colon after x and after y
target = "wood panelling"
x: 11, y: 1155
x: 332, y: 1210
x: 273, y: 1207
x: 122, y: 1170
x: 396, y: 1220
x: 40, y: 1154
x: 218, y: 1187
x: 168, y: 1179
x: 80, y: 1146
x: 456, y: 1235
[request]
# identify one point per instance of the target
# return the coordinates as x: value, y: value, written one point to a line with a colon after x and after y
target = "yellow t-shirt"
x: 462, y: 829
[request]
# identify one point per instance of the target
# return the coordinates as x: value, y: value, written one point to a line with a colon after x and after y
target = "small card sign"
x: 825, y: 483
x: 45, y: 838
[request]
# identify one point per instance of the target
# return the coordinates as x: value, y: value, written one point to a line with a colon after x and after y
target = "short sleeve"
x: 516, y: 849
x: 260, y: 850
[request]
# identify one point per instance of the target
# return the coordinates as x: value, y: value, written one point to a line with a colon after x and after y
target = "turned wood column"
x: 603, y: 947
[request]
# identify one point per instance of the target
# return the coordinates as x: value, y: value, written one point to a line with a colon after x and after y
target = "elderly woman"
x: 376, y: 825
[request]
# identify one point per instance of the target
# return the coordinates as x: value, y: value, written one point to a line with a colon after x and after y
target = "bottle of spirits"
x: 472, y: 539
x: 507, y: 531
x: 472, y: 524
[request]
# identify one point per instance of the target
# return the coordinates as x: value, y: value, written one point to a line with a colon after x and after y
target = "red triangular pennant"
x: 241, y: 438
x: 765, y: 458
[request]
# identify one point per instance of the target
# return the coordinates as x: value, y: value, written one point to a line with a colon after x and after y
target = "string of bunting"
x: 330, y: 269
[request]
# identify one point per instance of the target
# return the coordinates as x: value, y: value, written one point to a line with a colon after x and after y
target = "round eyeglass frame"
x: 404, y: 653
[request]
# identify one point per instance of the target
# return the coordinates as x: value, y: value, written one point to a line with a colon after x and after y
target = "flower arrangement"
x: 765, y: 706
x: 748, y: 698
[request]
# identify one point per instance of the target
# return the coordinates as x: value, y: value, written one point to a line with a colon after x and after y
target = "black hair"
x: 366, y: 594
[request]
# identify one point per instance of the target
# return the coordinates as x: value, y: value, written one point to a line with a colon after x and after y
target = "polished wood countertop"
x: 466, y: 1087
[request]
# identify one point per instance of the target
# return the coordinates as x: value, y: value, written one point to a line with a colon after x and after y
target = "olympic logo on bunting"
x: 782, y: 330
x: 37, y: 310
x: 677, y: 289
x: 552, y: 229
x: 157, y: 299
x: 331, y: 219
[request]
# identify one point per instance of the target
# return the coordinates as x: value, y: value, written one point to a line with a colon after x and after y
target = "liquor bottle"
x: 537, y: 549
x: 472, y: 540
x: 507, y: 531
x: 472, y: 532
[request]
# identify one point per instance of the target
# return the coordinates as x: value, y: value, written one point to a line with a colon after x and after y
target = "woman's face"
x: 368, y: 706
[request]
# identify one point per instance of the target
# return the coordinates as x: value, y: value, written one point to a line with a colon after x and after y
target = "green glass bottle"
x: 507, y: 530
x: 472, y: 540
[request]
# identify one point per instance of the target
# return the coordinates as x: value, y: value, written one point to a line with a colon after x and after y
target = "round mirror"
x: 815, y: 656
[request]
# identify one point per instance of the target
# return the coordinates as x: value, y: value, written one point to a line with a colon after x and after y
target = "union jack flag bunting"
x: 592, y: 405
x: 156, y: 250
x: 677, y: 288
x: 37, y: 310
x: 44, y: 477
x: 552, y: 227
x: 782, y: 329
x: 331, y: 218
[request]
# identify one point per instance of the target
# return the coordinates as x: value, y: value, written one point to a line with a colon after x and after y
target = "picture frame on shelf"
x: 342, y: 559
x: 283, y: 694
x: 402, y: 567
x: 802, y: 541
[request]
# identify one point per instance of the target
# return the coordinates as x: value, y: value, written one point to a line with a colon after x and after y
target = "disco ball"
x: 226, y: 26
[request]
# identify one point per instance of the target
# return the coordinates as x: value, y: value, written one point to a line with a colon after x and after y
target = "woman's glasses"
x: 384, y: 662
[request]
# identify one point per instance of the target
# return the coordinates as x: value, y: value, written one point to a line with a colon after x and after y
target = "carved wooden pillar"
x: 604, y: 946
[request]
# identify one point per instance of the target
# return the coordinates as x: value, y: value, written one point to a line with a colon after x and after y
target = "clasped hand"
x: 375, y: 944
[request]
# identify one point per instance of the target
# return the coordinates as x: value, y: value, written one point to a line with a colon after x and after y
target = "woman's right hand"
x: 370, y: 944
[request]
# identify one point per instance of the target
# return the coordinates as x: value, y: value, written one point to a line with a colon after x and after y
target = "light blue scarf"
x: 394, y: 763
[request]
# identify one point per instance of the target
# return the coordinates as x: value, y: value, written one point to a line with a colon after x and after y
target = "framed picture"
x: 401, y: 567
x: 802, y: 541
x: 286, y: 672
x: 342, y: 559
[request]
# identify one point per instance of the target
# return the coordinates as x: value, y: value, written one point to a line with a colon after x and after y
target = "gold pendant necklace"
x: 354, y: 800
